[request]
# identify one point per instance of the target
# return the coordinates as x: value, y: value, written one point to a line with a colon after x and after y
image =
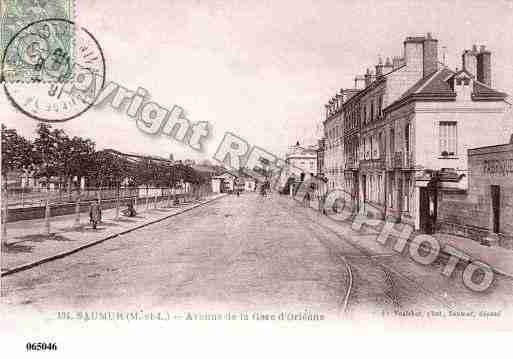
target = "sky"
x: 262, y: 69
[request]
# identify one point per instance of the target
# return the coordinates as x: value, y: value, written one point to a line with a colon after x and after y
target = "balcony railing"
x: 374, y: 163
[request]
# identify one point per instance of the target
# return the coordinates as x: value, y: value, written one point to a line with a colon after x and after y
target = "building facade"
x: 301, y: 161
x: 333, y: 127
x: 484, y: 212
x: 413, y: 118
x: 435, y: 123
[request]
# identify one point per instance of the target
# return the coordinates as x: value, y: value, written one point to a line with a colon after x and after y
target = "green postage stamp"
x: 33, y: 47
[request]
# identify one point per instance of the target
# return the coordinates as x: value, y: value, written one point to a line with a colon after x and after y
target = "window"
x: 380, y: 105
x: 381, y: 145
x: 371, y: 112
x: 391, y: 188
x: 392, y: 142
x: 448, y: 138
x: 407, y: 138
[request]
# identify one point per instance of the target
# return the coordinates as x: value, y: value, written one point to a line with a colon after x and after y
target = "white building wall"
x: 478, y: 124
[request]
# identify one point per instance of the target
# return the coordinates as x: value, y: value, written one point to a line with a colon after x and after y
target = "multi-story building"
x: 301, y: 160
x: 334, y: 145
x: 413, y: 118
x: 321, y: 146
x: 435, y: 122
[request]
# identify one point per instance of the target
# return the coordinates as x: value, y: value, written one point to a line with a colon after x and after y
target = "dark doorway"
x: 496, y: 207
x: 427, y: 210
x: 356, y: 186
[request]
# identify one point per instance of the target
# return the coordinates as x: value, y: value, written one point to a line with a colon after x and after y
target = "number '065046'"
x: 41, y: 346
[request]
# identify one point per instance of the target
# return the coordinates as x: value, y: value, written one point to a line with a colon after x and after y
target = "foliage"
x: 54, y: 154
x: 17, y: 152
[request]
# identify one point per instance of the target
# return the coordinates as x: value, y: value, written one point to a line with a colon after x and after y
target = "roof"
x: 372, y: 85
x: 438, y: 87
x: 483, y: 92
x: 225, y: 174
x: 432, y: 84
x: 136, y: 157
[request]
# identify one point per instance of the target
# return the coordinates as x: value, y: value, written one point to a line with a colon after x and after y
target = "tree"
x: 107, y: 169
x: 17, y: 152
x: 78, y: 156
x: 48, y: 148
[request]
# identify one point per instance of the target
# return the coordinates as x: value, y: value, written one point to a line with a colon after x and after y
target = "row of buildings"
x: 400, y: 137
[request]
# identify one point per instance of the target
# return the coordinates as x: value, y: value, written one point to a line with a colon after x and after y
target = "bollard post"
x: 77, y: 212
x: 47, y: 217
x: 117, y: 204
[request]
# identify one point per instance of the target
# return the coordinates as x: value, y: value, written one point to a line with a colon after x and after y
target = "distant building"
x: 302, y: 160
x: 250, y: 184
x: 321, y: 147
x: 223, y: 183
x: 227, y: 182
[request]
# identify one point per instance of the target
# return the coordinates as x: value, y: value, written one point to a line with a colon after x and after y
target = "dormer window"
x: 463, y: 85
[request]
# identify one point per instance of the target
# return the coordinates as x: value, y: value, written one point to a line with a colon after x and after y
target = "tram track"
x: 394, y: 280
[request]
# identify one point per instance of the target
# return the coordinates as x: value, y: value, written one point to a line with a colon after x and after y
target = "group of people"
x: 95, y: 212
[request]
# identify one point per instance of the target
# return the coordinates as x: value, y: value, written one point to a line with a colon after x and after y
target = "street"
x: 248, y: 253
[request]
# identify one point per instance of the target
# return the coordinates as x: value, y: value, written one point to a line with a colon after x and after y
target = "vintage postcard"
x: 184, y: 173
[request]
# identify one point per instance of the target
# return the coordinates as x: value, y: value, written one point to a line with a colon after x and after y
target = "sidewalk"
x: 28, y: 245
x: 499, y: 259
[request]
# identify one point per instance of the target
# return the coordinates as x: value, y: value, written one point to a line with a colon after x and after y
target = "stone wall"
x: 469, y: 214
x: 38, y: 212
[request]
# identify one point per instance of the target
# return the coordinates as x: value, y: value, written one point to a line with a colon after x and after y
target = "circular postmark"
x: 53, y: 70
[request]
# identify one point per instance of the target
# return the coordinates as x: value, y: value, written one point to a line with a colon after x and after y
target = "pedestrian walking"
x: 306, y: 199
x: 95, y: 213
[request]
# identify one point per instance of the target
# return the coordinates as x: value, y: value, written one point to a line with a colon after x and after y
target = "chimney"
x: 338, y: 98
x: 379, y: 68
x: 368, y: 77
x: 358, y: 80
x: 469, y: 61
x: 387, y: 67
x: 484, y: 66
x: 430, y: 55
x: 414, y: 54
